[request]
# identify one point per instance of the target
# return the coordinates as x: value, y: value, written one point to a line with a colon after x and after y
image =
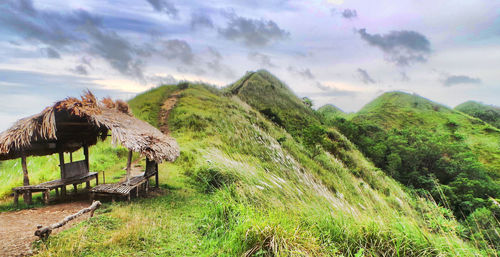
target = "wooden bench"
x: 124, y: 189
x: 75, y: 173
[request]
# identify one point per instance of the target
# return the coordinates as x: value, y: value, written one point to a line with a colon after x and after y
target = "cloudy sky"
x: 343, y: 52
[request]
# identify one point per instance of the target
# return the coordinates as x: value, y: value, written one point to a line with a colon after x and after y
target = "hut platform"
x: 55, y: 184
x: 124, y: 189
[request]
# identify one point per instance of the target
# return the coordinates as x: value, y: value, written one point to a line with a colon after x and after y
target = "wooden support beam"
x: 86, y: 153
x: 129, y: 164
x: 71, y: 157
x: 61, y: 164
x: 26, y: 180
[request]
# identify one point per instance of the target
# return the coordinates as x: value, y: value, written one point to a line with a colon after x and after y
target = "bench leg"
x: 75, y: 187
x: 88, y: 184
x: 63, y: 191
x: 28, y: 199
x: 16, y: 198
x: 97, y: 179
x: 57, y: 192
x: 128, y: 197
x: 46, y: 195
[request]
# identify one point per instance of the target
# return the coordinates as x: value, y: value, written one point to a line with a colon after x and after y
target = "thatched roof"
x: 69, y: 124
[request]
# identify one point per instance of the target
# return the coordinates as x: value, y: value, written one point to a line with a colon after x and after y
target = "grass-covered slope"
x: 244, y: 186
x: 487, y: 113
x: 435, y: 150
x: 397, y: 110
x: 268, y: 95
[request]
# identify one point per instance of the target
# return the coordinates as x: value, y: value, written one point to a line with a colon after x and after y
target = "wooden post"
x: 71, y: 157
x: 86, y: 153
x: 75, y: 187
x: 26, y: 180
x: 129, y: 164
x: 16, y: 198
x: 46, y: 195
x: 61, y: 165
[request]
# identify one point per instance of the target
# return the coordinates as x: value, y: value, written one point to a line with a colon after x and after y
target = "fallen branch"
x: 44, y: 232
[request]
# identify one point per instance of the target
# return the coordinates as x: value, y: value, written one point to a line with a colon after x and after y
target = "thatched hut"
x: 74, y: 123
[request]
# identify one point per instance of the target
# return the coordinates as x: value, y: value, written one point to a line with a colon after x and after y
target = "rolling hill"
x: 487, y: 113
x: 259, y: 175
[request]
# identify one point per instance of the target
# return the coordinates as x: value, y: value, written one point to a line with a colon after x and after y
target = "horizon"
x: 344, y: 53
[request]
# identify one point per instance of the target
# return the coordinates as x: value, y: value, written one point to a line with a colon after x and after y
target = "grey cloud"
x: 331, y: 91
x: 215, y: 63
x: 77, y: 30
x: 162, y: 80
x: 401, y: 47
x: 349, y: 14
x: 80, y: 69
x: 201, y: 20
x: 404, y: 76
x: 460, y: 79
x: 261, y: 59
x: 365, y: 77
x: 178, y: 49
x: 50, y: 53
x: 117, y: 51
x: 304, y: 73
x: 165, y: 7
x: 252, y: 32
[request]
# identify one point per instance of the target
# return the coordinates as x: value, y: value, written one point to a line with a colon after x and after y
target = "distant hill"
x: 396, y: 110
x: 427, y: 146
x: 487, y: 113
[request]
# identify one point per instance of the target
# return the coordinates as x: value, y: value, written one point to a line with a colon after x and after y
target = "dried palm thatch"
x: 69, y: 124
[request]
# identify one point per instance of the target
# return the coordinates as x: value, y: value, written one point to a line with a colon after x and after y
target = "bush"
x: 209, y: 178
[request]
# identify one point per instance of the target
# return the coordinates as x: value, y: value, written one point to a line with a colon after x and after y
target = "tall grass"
x: 243, y: 186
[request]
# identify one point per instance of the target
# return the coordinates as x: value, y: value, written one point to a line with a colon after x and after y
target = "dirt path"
x: 17, y: 228
x: 167, y: 106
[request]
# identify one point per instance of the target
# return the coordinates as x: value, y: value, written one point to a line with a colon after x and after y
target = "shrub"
x: 209, y: 178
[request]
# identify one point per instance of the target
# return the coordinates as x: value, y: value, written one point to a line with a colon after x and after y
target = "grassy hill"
x: 487, y: 113
x: 396, y: 110
x: 436, y: 151
x: 244, y: 185
x: 259, y: 175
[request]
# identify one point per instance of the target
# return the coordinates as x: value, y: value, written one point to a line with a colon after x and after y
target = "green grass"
x: 236, y: 190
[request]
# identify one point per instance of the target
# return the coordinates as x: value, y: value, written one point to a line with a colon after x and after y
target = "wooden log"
x: 44, y: 232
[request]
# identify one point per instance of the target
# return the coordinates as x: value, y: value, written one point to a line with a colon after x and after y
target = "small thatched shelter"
x: 74, y: 123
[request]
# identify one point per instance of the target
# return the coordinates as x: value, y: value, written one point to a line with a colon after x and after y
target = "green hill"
x: 433, y: 149
x: 487, y: 113
x: 245, y: 185
x: 259, y: 175
x: 397, y: 110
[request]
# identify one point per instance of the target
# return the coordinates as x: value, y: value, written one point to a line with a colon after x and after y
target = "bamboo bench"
x: 124, y: 189
x: 76, y: 173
